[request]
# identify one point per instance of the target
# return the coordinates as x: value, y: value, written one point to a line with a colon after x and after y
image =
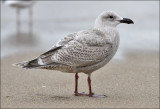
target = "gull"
x: 84, y: 51
x: 21, y: 4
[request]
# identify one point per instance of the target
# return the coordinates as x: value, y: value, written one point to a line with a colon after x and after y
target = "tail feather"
x: 28, y: 64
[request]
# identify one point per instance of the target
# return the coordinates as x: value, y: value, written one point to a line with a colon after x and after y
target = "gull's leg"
x: 30, y: 21
x: 76, y: 85
x: 91, y: 94
x: 18, y: 21
x: 89, y: 85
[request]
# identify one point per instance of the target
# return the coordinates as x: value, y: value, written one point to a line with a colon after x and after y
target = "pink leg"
x: 76, y: 85
x: 89, y: 85
x: 91, y: 94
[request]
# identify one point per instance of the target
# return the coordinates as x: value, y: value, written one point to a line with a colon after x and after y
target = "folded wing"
x: 72, y: 51
x: 80, y: 49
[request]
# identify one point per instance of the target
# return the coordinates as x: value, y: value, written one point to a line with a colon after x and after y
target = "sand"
x: 129, y: 83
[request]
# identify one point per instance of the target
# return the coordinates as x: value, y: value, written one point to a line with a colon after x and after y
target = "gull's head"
x: 110, y: 19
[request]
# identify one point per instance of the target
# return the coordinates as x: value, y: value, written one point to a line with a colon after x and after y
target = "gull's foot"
x: 92, y: 95
x: 99, y: 96
x: 76, y: 94
x: 81, y: 94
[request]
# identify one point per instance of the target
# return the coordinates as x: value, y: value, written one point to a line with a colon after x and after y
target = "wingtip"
x: 21, y: 64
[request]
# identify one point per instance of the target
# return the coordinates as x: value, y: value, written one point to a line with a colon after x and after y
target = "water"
x: 55, y: 19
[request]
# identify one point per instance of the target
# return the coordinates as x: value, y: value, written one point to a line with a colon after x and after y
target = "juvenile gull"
x: 84, y: 51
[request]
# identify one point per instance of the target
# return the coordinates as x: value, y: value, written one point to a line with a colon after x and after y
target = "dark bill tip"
x: 126, y: 20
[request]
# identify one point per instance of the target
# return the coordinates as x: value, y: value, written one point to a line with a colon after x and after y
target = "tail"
x: 28, y: 64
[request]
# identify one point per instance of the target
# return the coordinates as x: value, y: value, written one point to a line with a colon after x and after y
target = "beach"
x: 129, y: 80
x: 129, y: 83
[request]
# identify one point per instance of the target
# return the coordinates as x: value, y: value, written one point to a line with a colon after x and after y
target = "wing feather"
x: 80, y: 55
x: 57, y: 46
x: 81, y: 49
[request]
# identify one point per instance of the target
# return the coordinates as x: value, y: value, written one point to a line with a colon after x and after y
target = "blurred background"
x: 52, y: 20
x: 130, y: 80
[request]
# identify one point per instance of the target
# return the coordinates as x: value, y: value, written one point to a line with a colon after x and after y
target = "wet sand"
x: 129, y: 83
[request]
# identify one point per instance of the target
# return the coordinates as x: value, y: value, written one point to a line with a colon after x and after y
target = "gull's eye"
x: 111, y: 17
